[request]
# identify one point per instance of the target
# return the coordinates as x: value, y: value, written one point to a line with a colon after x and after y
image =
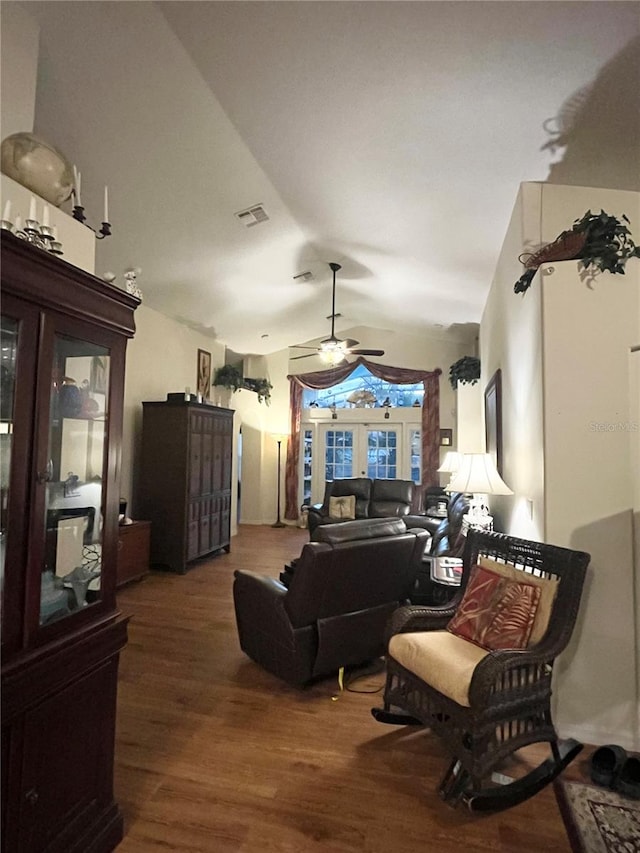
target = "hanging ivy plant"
x: 597, y: 240
x: 231, y: 377
x: 228, y: 376
x: 465, y: 370
x: 262, y: 388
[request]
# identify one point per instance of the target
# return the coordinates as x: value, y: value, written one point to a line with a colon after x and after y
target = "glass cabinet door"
x: 7, y: 393
x: 74, y: 475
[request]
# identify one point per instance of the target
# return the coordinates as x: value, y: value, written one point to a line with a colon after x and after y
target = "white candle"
x: 76, y: 185
x: 7, y: 211
x: 78, y: 200
x: 106, y: 204
x: 32, y: 207
x: 45, y: 215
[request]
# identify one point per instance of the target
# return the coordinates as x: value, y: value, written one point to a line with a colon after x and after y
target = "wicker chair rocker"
x: 486, y: 705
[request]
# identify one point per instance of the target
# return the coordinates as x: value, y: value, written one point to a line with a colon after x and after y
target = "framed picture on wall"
x: 446, y: 437
x: 493, y: 418
x: 204, y: 374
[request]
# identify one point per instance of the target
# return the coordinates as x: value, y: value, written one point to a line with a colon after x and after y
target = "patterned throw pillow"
x: 343, y: 507
x: 548, y: 592
x: 496, y: 612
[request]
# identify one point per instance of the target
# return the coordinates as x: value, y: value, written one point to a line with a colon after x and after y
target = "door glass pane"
x: 415, y: 451
x: 75, y: 470
x: 338, y: 454
x: 307, y: 458
x: 7, y: 388
x: 382, y: 462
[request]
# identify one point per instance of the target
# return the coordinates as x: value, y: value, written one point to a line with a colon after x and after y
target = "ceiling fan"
x: 332, y: 350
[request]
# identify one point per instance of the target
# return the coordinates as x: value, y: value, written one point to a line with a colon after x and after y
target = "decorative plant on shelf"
x: 262, y: 388
x: 597, y: 240
x: 465, y: 370
x: 228, y: 376
x: 231, y: 377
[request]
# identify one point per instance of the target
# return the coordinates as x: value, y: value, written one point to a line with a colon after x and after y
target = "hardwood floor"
x: 215, y: 755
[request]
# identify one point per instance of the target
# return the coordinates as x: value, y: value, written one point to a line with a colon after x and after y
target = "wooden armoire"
x: 184, y: 483
x: 64, y: 336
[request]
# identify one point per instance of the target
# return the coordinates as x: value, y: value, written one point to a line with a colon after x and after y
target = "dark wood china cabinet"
x: 64, y: 336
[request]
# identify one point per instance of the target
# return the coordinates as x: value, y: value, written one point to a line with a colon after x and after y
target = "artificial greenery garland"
x: 597, y: 240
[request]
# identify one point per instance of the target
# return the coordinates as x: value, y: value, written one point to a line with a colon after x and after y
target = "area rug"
x: 598, y: 820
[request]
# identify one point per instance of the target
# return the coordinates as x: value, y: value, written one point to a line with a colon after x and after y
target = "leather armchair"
x: 340, y: 597
x: 446, y: 534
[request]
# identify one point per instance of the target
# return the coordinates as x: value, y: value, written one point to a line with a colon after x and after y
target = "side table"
x: 134, y: 542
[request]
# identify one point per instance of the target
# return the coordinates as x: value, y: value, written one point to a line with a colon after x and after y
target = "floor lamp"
x: 279, y: 438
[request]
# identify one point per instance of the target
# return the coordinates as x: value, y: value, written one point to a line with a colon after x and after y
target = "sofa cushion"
x: 391, y: 498
x: 442, y: 659
x: 364, y: 528
x: 343, y: 507
x: 496, y: 612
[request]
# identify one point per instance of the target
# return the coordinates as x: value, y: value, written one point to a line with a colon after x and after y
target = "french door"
x: 361, y: 450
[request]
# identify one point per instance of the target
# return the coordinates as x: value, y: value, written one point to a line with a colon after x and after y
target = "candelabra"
x: 105, y: 231
x: 42, y: 236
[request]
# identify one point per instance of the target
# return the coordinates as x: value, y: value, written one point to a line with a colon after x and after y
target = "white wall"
x: 19, y: 34
x: 563, y: 348
x: 470, y: 418
x: 510, y: 340
x: 589, y: 488
x: 161, y: 359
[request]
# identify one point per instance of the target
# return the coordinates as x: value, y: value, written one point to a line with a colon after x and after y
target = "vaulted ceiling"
x: 390, y: 137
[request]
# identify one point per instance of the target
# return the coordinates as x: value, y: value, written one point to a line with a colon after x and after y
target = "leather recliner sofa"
x: 340, y: 597
x: 373, y: 499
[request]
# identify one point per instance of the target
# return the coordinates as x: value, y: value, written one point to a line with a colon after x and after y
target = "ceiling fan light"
x: 333, y: 356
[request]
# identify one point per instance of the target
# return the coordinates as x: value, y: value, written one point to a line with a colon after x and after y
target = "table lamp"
x: 478, y: 475
x: 450, y: 464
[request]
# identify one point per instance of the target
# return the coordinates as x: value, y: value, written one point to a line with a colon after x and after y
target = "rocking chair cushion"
x: 496, y: 612
x: 441, y: 659
x: 548, y: 590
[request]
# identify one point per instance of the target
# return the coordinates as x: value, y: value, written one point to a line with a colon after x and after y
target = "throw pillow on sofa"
x: 343, y: 507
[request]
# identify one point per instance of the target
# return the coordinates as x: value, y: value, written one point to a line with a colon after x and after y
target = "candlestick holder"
x: 105, y: 231
x: 41, y: 236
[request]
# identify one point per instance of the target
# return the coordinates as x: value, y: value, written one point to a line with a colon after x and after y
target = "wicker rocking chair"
x: 486, y: 704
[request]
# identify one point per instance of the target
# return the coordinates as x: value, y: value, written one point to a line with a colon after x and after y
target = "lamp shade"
x: 450, y: 463
x: 478, y: 474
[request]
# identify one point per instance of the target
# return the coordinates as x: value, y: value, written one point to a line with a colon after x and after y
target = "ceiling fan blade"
x: 350, y: 343
x: 366, y: 352
x: 306, y: 355
x: 301, y: 346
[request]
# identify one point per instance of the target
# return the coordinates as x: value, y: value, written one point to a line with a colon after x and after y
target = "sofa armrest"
x: 316, y: 517
x: 424, y: 521
x: 264, y: 587
x: 259, y: 604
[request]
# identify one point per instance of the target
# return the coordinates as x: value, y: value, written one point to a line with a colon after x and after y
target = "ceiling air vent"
x: 252, y: 216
